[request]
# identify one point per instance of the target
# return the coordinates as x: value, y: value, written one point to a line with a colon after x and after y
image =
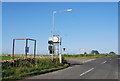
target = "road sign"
x: 83, y: 50
x: 63, y: 49
x: 27, y: 49
x: 50, y: 42
x: 50, y: 47
x: 56, y: 39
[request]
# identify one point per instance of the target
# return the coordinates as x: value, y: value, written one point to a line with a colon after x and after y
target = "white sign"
x: 55, y: 39
x: 82, y: 49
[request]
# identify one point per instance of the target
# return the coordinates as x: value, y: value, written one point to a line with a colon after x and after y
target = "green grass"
x: 27, y: 67
x: 33, y: 71
x: 8, y: 57
x: 87, y: 56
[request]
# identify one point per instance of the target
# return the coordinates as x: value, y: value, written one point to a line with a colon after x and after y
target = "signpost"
x: 55, y: 42
x: 55, y: 38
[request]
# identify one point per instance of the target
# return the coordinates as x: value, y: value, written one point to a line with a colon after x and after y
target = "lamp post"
x: 68, y: 10
x: 59, y: 43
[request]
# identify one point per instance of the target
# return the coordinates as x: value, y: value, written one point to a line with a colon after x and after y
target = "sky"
x: 91, y: 25
x: 0, y: 28
x: 60, y: 0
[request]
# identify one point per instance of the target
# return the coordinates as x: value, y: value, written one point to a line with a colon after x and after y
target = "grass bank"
x: 27, y: 67
x: 87, y: 56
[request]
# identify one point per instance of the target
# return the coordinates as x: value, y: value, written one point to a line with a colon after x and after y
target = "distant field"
x: 87, y: 56
x: 8, y: 57
x: 66, y: 56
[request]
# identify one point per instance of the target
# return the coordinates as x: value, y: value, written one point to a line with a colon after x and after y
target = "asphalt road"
x: 101, y: 68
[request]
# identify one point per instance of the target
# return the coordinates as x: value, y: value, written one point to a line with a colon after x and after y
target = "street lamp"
x: 68, y: 10
x: 58, y: 38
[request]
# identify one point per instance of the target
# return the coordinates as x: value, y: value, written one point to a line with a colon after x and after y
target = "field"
x: 66, y: 56
x: 9, y: 57
x: 86, y: 56
x: 17, y: 56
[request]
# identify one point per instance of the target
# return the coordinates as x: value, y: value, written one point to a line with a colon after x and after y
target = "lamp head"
x: 69, y: 10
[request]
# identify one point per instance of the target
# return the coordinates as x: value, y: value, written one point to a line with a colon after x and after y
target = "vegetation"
x: 85, y: 52
x: 27, y: 67
x: 86, y: 56
x: 112, y: 52
x: 94, y: 52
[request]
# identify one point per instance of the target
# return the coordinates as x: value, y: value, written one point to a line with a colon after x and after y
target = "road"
x: 101, y: 68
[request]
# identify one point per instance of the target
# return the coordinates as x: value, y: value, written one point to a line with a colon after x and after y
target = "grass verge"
x: 29, y: 67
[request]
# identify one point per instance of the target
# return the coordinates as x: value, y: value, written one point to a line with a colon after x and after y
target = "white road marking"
x: 104, y: 62
x: 88, y: 60
x: 86, y: 71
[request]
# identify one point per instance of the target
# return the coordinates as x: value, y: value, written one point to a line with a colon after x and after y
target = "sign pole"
x: 26, y: 47
x: 13, y: 49
x: 34, y: 48
x: 60, y: 57
x: 52, y: 51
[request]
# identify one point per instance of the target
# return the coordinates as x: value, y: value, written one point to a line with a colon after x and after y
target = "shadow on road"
x: 75, y: 64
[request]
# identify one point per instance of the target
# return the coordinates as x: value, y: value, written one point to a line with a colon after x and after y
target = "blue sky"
x: 91, y: 25
x: 0, y: 28
x: 60, y: 0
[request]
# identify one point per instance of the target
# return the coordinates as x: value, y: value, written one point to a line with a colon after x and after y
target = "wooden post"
x: 34, y: 48
x: 26, y: 47
x: 13, y: 49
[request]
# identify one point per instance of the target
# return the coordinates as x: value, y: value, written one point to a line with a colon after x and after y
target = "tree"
x: 85, y: 52
x: 95, y: 52
x: 112, y: 52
